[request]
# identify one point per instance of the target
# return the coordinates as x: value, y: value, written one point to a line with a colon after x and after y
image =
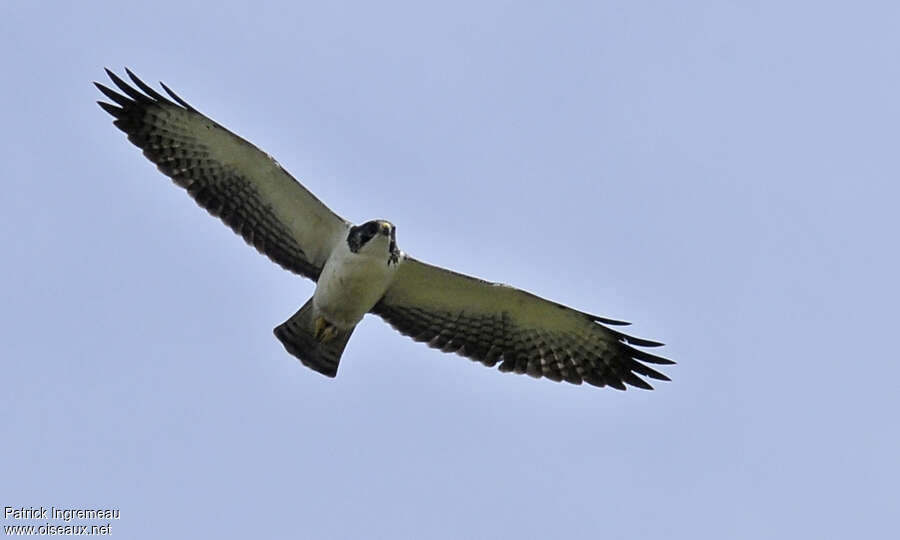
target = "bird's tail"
x: 299, y: 336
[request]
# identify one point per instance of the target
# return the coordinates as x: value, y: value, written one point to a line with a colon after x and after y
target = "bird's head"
x: 374, y: 237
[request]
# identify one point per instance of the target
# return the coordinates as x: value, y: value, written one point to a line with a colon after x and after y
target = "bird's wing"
x: 492, y: 323
x: 228, y: 176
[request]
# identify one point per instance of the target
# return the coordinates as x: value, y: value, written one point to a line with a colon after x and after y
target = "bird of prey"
x: 359, y: 269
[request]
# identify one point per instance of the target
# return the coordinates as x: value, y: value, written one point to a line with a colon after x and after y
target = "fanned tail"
x: 297, y: 334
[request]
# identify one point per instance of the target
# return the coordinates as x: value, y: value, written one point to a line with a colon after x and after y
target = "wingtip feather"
x: 647, y: 357
x: 606, y: 320
x: 111, y: 109
x: 127, y: 88
x: 113, y: 95
x: 176, y: 97
x: 146, y: 88
x: 636, y: 381
x: 641, y: 342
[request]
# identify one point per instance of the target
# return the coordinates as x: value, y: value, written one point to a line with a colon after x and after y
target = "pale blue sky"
x: 724, y: 175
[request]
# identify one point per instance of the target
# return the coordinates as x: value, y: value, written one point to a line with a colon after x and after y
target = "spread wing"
x: 492, y: 323
x: 228, y: 176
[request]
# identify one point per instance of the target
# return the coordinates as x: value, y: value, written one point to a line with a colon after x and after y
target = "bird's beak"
x: 385, y: 228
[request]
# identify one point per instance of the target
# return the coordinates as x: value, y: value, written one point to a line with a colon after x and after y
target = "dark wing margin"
x: 228, y: 176
x: 523, y: 333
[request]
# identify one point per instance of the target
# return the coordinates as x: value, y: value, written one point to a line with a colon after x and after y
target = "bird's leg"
x: 321, y: 323
x: 330, y: 333
x: 324, y: 331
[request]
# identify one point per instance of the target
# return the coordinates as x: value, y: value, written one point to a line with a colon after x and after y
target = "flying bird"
x: 359, y: 269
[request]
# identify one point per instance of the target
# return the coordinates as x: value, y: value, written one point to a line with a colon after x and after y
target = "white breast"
x: 352, y: 283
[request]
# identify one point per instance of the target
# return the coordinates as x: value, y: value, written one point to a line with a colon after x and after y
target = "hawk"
x: 359, y: 269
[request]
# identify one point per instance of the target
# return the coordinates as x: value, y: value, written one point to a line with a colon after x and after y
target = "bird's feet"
x: 324, y: 331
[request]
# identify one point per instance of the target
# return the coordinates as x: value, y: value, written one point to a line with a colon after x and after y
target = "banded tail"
x: 299, y: 336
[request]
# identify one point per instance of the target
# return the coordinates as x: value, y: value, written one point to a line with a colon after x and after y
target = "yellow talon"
x: 324, y: 331
x: 321, y: 324
x: 329, y: 334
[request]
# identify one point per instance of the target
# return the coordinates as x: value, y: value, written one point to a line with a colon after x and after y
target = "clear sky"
x: 722, y: 174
